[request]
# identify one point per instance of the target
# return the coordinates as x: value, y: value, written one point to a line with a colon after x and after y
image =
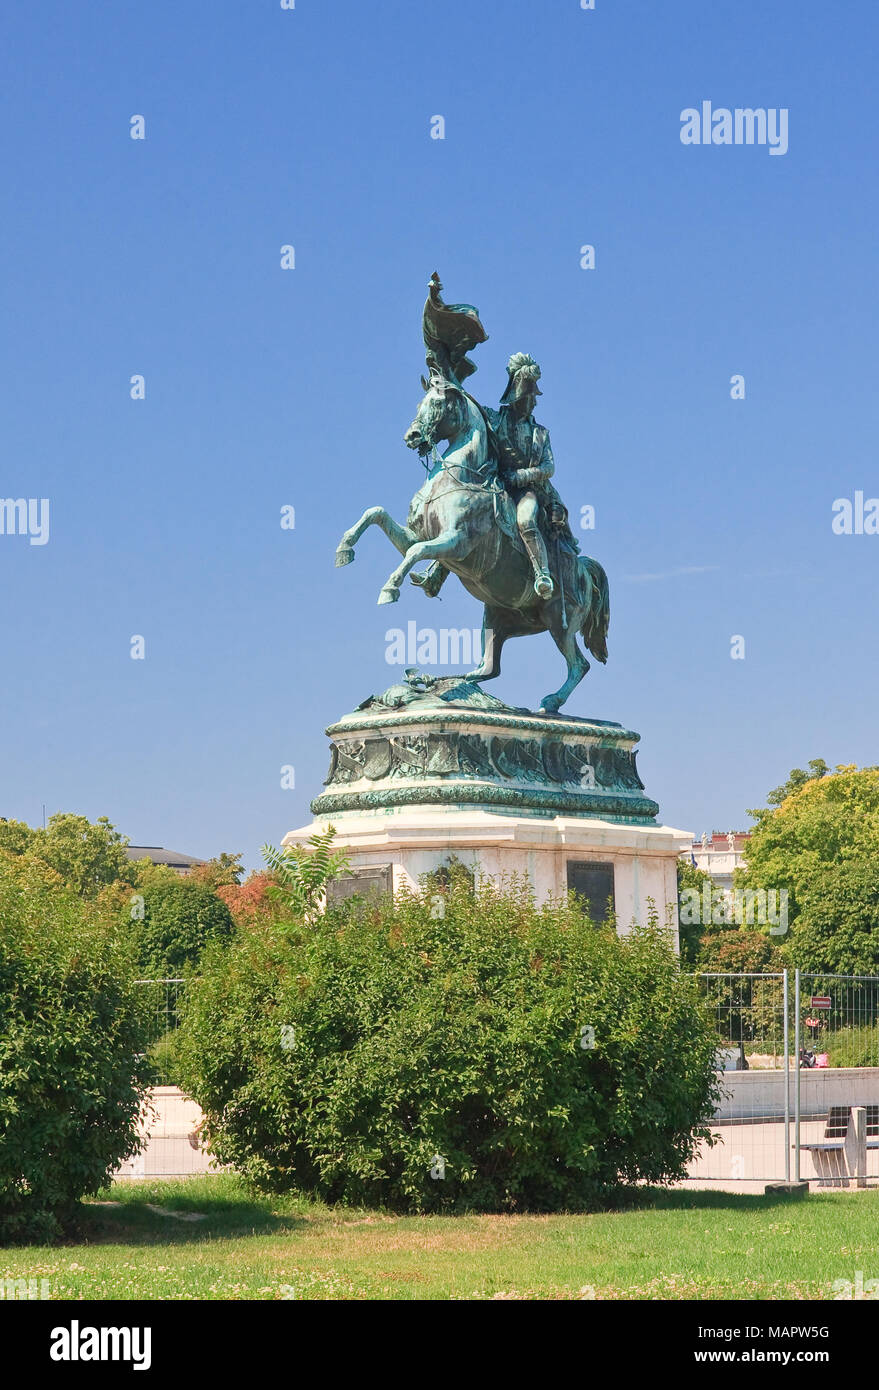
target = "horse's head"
x: 441, y: 414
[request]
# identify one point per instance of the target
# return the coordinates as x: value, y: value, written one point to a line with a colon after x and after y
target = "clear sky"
x: 268, y: 387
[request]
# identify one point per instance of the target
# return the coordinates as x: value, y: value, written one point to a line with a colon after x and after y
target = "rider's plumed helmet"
x: 523, y: 372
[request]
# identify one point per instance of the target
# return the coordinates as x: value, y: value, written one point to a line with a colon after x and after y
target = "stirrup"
x: 430, y: 582
x: 543, y: 585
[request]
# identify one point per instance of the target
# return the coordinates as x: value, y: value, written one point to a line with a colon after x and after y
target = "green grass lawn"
x: 676, y: 1245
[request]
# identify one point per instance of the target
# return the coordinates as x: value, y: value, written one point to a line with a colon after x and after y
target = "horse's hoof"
x: 344, y: 555
x: 551, y: 704
x: 389, y: 594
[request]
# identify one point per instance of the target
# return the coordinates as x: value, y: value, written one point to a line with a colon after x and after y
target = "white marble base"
x: 413, y: 840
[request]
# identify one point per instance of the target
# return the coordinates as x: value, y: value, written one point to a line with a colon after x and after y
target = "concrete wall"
x: 760, y: 1094
x: 750, y: 1132
x: 748, y: 1126
x: 172, y: 1148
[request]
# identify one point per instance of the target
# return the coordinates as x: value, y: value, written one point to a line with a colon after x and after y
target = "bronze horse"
x: 463, y: 517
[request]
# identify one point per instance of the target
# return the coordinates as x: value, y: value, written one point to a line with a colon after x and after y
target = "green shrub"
x: 164, y: 1066
x: 180, y: 918
x: 739, y: 950
x: 850, y: 1047
x: 346, y: 1058
x: 689, y: 876
x: 72, y: 1038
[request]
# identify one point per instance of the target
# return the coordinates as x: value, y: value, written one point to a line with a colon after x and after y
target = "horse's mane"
x: 494, y: 451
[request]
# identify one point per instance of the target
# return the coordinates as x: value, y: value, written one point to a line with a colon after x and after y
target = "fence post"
x: 786, y: 1079
x: 797, y: 1065
x: 859, y: 1115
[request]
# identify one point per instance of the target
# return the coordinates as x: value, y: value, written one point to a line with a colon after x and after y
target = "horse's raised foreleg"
x: 398, y: 535
x: 451, y: 545
x: 565, y: 639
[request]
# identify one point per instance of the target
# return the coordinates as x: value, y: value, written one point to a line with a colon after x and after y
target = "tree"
x: 302, y: 874
x: 16, y: 836
x: 817, y: 845
x: 837, y: 929
x: 690, y: 933
x: 88, y: 856
x: 218, y: 872
x: 798, y: 779
x: 179, y: 919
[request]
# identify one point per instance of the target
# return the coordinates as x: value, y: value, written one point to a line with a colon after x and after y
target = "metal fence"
x: 162, y: 1003
x: 800, y: 1057
x: 751, y: 1016
x: 839, y: 1018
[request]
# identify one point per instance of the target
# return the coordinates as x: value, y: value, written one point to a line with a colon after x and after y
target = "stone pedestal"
x: 438, y: 768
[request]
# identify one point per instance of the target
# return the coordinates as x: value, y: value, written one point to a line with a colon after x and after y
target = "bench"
x: 836, y: 1155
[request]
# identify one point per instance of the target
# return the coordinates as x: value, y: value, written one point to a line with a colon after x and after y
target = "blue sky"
x: 267, y: 387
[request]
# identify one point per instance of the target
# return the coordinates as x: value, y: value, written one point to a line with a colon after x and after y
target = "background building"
x: 182, y: 864
x: 719, y: 854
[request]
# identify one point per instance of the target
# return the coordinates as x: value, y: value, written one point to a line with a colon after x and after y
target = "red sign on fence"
x: 820, y: 1001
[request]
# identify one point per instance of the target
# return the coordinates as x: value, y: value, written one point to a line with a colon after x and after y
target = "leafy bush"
x: 545, y: 1061
x: 739, y: 950
x: 689, y: 876
x: 301, y: 873
x: 850, y: 1047
x: 72, y: 1038
x: 180, y: 918
x: 251, y: 899
x: 164, y: 1066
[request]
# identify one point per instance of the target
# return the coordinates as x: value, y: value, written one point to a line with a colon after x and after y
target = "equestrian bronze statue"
x: 487, y: 510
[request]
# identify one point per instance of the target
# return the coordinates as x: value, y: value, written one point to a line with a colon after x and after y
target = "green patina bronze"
x: 443, y: 741
x: 487, y: 510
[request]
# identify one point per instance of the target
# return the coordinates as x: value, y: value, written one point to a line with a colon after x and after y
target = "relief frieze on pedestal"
x: 479, y: 751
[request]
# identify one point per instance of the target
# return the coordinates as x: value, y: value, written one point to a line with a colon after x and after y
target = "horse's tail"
x: 596, y: 621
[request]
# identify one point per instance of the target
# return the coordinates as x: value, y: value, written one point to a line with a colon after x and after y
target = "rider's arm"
x: 541, y: 473
x: 526, y: 477
x: 547, y: 462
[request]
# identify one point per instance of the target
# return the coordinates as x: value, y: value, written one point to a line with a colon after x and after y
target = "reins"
x: 431, y: 460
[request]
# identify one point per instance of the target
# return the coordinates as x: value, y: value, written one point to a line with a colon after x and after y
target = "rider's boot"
x: 543, y: 585
x: 432, y: 580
